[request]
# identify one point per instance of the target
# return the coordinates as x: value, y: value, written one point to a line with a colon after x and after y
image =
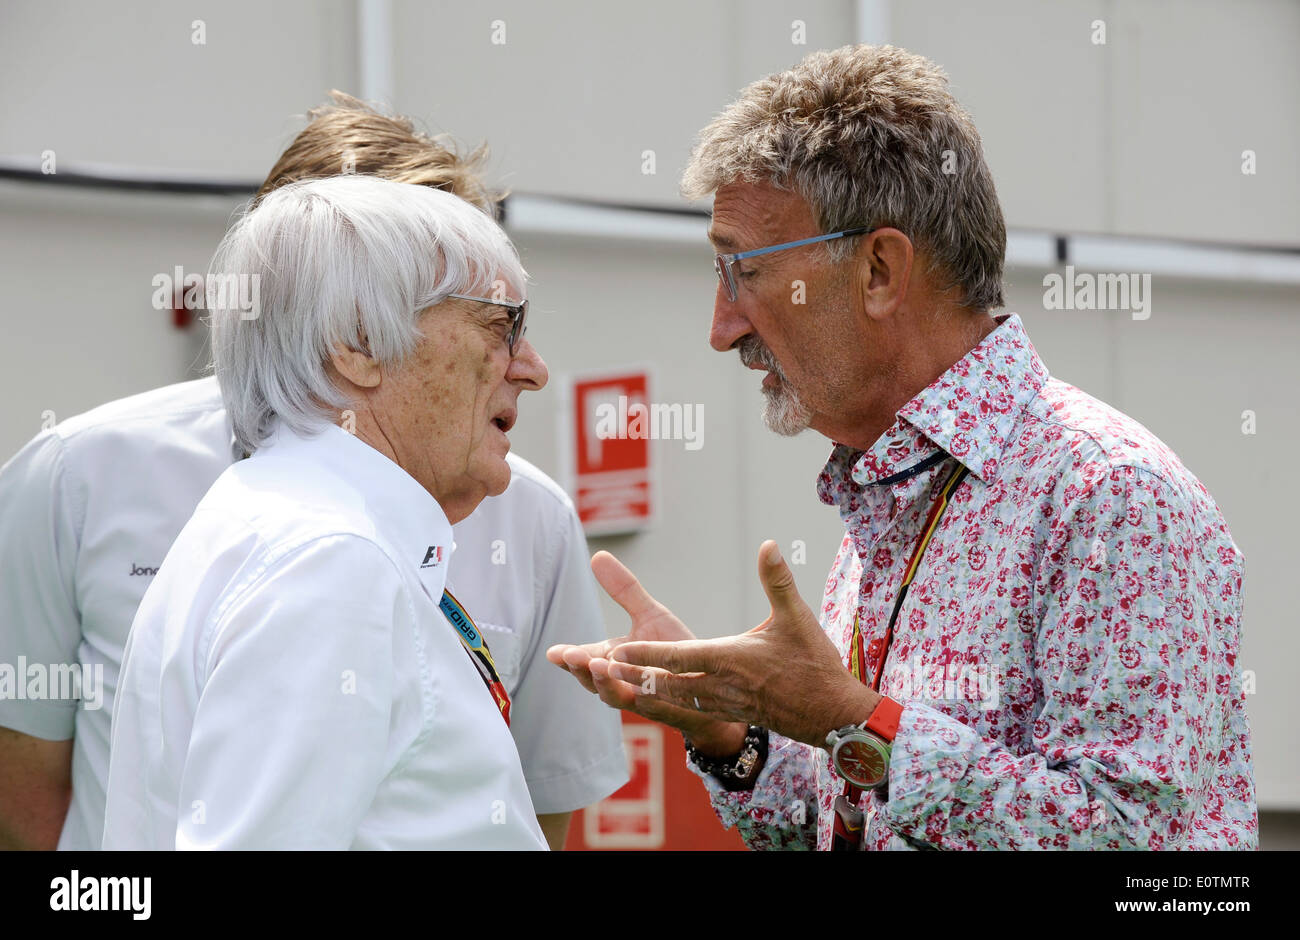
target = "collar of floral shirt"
x: 968, y: 412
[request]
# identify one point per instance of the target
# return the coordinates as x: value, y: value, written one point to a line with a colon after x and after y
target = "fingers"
x: 681, y: 656
x: 576, y: 660
x: 611, y: 691
x: 697, y: 698
x: 636, y: 697
x: 622, y: 585
x: 627, y: 687
x: 778, y: 583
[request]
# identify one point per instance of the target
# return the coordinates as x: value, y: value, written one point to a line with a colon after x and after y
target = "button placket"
x: 904, y: 497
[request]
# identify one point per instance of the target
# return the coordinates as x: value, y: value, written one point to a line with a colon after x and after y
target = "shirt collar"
x: 403, y: 511
x: 968, y: 413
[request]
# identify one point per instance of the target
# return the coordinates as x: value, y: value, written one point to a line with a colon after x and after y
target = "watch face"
x: 861, y: 762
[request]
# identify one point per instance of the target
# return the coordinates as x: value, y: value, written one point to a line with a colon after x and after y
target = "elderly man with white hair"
x: 297, y: 676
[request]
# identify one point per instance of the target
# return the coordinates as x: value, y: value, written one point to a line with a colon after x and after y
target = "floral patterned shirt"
x: 1067, y: 656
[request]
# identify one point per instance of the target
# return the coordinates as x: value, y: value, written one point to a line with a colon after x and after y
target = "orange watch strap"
x: 884, y: 719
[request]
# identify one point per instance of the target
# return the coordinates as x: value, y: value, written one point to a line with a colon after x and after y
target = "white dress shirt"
x: 522, y: 569
x: 290, y: 682
x: 89, y: 508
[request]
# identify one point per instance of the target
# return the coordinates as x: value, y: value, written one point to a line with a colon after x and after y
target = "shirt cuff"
x: 731, y: 806
x: 48, y: 720
x: 930, y: 753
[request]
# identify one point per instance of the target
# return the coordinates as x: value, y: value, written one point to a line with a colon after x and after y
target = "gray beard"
x: 783, y: 412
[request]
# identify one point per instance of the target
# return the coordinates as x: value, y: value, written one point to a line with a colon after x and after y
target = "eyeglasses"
x: 517, y: 314
x: 722, y: 263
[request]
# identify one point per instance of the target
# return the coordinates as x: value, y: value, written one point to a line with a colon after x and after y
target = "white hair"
x: 346, y: 261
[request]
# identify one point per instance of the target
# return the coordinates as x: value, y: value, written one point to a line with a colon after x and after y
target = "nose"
x: 527, y: 368
x: 729, y: 324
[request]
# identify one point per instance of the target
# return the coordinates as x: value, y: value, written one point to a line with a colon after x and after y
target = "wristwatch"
x: 860, y: 753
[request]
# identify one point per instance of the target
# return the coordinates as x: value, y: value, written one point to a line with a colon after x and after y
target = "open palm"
x: 650, y: 620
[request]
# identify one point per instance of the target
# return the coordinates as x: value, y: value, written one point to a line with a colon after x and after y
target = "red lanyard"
x: 857, y: 657
x: 848, y: 832
x: 476, y: 646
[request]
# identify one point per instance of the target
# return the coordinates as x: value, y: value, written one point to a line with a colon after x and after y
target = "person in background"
x: 89, y: 508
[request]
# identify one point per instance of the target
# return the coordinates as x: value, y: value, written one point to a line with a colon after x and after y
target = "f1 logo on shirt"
x: 433, y: 557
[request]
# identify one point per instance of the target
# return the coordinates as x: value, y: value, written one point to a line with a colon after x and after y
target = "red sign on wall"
x: 664, y: 807
x: 633, y: 818
x: 611, y: 452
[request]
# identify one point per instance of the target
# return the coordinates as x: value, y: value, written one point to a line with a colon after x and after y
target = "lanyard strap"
x: 857, y: 655
x: 476, y: 646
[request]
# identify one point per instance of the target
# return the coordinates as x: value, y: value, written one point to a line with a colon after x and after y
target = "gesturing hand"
x: 785, y: 674
x: 650, y: 621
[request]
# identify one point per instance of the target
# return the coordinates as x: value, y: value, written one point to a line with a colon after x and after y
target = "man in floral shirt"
x: 1062, y: 671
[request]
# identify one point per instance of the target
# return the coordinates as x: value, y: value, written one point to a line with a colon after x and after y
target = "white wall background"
x: 1142, y: 136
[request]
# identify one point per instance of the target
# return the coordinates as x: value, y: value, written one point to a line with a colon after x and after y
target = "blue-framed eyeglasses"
x: 517, y: 314
x: 722, y: 262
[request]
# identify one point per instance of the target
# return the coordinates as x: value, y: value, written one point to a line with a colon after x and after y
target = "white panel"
x: 125, y: 83
x: 577, y: 93
x: 78, y: 320
x: 1196, y: 83
x: 1031, y: 78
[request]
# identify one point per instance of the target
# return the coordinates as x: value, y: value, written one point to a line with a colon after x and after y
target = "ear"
x: 884, y: 267
x: 357, y: 365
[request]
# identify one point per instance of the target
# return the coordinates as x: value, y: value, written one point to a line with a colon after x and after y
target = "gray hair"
x: 871, y: 137
x: 332, y: 261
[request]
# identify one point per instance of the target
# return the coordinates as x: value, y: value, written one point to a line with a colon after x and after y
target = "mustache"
x: 753, y: 352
